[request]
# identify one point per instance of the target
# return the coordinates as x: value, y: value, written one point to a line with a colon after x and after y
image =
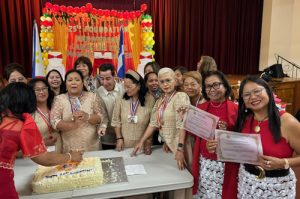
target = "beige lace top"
x: 172, y: 122
x: 132, y: 131
x: 85, y: 137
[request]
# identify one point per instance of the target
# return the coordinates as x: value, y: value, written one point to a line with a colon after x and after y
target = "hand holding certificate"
x: 238, y: 147
x: 200, y: 123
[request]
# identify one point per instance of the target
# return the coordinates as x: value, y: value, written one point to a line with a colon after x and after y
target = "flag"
x: 121, y: 56
x: 37, y: 60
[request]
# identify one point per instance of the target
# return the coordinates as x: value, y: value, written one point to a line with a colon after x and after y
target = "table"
x: 162, y: 175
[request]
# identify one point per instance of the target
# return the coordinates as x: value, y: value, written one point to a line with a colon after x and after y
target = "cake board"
x: 113, y: 170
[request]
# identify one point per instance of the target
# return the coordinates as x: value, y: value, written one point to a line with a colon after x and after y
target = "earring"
x: 246, y: 110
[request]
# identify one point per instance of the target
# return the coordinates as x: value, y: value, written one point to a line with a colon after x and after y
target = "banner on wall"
x: 94, y: 33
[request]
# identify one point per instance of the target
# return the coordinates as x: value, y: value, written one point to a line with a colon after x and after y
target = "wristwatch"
x: 180, y: 147
x: 286, y: 165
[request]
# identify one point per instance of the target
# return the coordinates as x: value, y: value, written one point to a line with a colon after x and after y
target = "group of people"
x: 83, y: 113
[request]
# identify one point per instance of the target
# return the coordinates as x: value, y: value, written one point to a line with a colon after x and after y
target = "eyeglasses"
x: 39, y: 90
x: 255, y: 92
x: 167, y: 81
x: 215, y: 86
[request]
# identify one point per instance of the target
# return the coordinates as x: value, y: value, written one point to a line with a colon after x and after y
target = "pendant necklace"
x: 257, y: 127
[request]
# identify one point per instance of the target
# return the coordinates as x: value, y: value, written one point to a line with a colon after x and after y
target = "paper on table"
x: 200, y: 123
x: 238, y: 147
x: 135, y: 169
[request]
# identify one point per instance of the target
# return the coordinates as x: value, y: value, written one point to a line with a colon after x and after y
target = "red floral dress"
x: 14, y: 136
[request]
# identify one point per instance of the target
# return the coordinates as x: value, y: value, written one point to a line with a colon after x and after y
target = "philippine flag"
x: 121, y: 57
x: 37, y: 60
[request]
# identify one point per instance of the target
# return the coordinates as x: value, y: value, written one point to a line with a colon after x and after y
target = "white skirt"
x: 269, y: 187
x: 210, y: 179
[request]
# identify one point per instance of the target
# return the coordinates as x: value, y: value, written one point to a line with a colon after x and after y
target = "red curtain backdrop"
x: 228, y: 30
x: 16, y: 31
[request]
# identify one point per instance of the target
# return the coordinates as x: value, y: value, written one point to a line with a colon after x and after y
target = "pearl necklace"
x: 216, y: 106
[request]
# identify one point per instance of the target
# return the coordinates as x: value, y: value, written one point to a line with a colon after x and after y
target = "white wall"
x: 280, y: 32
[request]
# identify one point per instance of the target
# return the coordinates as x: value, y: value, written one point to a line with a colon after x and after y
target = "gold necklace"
x: 257, y: 127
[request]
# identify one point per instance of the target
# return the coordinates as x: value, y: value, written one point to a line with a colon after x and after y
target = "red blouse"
x: 227, y: 112
x: 29, y: 140
x: 281, y: 149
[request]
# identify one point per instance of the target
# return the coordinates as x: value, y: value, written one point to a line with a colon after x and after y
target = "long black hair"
x: 50, y: 98
x: 62, y: 87
x: 143, y: 90
x: 273, y: 113
x: 17, y: 98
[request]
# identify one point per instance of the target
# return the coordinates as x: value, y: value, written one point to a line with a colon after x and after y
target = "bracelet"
x: 70, y: 157
x: 120, y: 138
x: 180, y: 149
x: 180, y: 145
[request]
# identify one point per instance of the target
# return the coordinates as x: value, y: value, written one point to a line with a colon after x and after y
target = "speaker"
x: 276, y: 71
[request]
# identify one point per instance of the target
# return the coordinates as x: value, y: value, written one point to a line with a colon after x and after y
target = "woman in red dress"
x: 280, y: 137
x: 18, y: 131
x: 212, y: 178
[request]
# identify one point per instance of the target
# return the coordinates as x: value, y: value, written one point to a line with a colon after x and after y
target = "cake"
x: 69, y: 176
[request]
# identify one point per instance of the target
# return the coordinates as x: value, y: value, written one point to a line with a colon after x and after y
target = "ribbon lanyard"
x: 163, y: 106
x: 198, y: 101
x: 46, y: 119
x: 133, y: 106
x: 77, y: 104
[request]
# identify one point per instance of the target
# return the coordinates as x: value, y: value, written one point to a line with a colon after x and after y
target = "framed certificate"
x: 200, y: 123
x: 238, y: 147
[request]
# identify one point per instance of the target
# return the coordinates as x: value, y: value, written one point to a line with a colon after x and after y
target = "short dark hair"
x: 143, y: 90
x: 223, y: 80
x: 18, y: 98
x: 62, y: 85
x: 148, y: 74
x: 10, y: 68
x: 182, y: 69
x: 32, y: 83
x: 154, y: 65
x: 106, y: 67
x: 273, y: 112
x: 84, y: 60
x: 79, y: 73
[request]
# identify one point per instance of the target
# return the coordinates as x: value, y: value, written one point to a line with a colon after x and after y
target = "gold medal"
x: 257, y: 129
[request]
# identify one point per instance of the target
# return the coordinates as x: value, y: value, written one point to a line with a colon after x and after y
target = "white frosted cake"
x: 69, y: 176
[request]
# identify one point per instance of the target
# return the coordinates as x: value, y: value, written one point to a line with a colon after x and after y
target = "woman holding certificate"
x: 280, y: 137
x: 214, y: 179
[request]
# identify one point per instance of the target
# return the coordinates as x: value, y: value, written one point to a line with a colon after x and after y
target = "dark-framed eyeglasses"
x: 215, y: 86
